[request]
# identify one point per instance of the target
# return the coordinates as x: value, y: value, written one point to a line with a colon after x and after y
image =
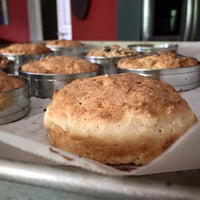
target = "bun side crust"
x: 122, y: 145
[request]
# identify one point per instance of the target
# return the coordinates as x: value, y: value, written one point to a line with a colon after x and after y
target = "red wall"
x: 18, y: 29
x: 99, y: 24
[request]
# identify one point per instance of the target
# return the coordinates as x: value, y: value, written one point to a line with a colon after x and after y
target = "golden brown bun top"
x: 108, y: 97
x: 161, y: 60
x: 60, y: 65
x: 4, y: 61
x: 25, y: 49
x: 64, y: 43
x: 111, y: 51
x: 8, y: 82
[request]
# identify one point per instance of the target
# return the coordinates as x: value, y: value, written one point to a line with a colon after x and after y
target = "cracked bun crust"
x: 161, y: 60
x: 25, y: 49
x: 115, y: 119
x: 60, y: 65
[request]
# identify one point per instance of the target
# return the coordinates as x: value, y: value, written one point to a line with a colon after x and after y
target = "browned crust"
x: 109, y: 97
x: 162, y: 60
x: 25, y: 49
x: 60, y: 65
x: 64, y: 43
x: 9, y: 83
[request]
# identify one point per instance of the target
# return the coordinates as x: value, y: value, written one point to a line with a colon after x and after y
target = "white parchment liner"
x: 28, y: 135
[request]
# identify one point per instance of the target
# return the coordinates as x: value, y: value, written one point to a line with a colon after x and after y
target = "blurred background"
x: 135, y: 20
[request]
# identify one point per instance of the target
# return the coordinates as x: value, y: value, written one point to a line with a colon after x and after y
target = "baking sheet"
x: 30, y: 136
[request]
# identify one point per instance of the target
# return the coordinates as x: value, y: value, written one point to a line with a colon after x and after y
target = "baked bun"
x: 25, y: 49
x: 60, y: 65
x: 111, y: 51
x: 63, y: 43
x: 115, y: 119
x: 161, y: 60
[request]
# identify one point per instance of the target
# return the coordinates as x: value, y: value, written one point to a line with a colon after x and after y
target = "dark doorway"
x: 49, y: 19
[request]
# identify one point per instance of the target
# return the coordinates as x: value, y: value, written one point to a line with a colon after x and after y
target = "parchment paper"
x: 28, y: 136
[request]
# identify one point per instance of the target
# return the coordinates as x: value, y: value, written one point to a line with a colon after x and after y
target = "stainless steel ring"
x: 182, y: 79
x: 153, y: 48
x: 68, y: 51
x: 14, y: 104
x: 44, y: 85
x: 108, y: 63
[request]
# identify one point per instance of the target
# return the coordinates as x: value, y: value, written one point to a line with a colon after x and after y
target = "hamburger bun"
x: 117, y: 119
